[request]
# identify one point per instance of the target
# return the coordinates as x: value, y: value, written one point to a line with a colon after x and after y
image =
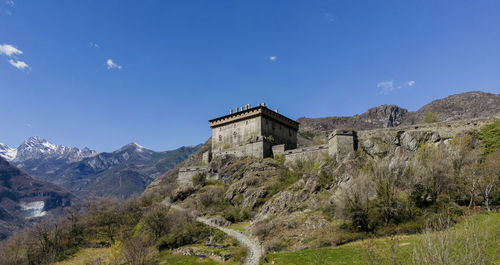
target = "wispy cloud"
x: 273, y: 58
x: 28, y: 125
x: 10, y: 3
x: 9, y: 50
x: 329, y: 17
x: 386, y: 87
x: 12, y: 52
x: 112, y: 65
x: 18, y: 64
x: 93, y: 45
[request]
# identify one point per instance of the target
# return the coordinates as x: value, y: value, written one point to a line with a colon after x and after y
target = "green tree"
x: 490, y: 137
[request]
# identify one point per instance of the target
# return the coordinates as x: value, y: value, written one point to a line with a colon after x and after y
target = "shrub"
x: 430, y: 117
x: 306, y: 134
x: 199, y: 179
x: 235, y: 214
x: 155, y: 220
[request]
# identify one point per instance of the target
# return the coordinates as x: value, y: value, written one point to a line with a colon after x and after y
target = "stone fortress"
x: 261, y: 132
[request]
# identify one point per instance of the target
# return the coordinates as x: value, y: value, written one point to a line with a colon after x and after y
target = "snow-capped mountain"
x: 7, y: 152
x: 36, y: 148
x: 85, y: 172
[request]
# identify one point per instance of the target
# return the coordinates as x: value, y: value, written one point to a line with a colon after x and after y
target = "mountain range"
x: 85, y: 172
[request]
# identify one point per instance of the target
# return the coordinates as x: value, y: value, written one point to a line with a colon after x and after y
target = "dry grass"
x: 88, y: 256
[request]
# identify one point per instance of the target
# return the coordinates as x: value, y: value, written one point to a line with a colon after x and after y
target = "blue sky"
x: 105, y: 73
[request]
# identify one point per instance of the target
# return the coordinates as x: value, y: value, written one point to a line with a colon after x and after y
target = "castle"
x: 261, y: 132
x: 252, y: 132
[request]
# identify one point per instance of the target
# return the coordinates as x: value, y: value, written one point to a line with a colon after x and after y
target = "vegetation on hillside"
x: 305, y: 204
x: 134, y: 232
x: 473, y: 241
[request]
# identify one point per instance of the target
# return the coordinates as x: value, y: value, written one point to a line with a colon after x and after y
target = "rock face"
x: 456, y: 107
x: 379, y: 117
x: 23, y: 197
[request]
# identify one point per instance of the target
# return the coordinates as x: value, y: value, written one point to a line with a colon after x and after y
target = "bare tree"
x: 137, y: 250
x: 489, y: 176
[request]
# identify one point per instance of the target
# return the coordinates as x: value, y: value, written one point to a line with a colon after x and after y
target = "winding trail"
x: 252, y: 244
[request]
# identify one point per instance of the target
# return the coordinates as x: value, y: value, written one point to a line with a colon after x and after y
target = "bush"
x: 306, y: 134
x: 235, y: 214
x: 199, y: 179
x: 156, y: 220
x: 430, y: 117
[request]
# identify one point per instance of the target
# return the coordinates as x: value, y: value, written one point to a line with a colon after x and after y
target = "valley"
x: 402, y: 183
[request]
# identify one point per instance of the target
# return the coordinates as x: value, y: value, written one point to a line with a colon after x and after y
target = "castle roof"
x: 260, y: 110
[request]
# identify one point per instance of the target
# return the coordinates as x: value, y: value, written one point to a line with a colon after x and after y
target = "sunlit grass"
x: 86, y: 256
x: 398, y: 248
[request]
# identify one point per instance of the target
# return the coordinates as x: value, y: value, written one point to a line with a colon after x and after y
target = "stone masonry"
x: 252, y: 132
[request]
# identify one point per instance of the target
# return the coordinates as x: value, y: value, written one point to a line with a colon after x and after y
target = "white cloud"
x: 10, y: 3
x: 27, y: 124
x: 112, y: 64
x: 18, y: 64
x: 93, y: 45
x: 9, y: 50
x: 273, y: 58
x: 386, y: 87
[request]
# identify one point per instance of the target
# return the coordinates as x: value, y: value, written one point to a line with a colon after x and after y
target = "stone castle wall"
x: 282, y: 134
x: 316, y: 152
x: 260, y: 148
x: 235, y: 134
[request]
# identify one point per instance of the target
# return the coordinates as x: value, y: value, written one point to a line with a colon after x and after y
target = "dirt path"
x: 252, y: 244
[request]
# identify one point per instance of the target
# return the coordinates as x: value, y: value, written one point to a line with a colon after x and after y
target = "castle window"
x: 235, y: 134
x: 220, y: 138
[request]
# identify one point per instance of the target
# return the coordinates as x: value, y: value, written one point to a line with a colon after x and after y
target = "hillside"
x: 456, y: 107
x: 306, y: 204
x: 399, y: 180
x: 23, y: 198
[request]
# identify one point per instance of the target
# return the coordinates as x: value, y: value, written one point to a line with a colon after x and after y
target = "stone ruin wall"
x: 186, y: 174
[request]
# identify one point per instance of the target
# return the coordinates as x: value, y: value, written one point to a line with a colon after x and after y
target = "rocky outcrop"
x: 379, y: 117
x: 470, y: 105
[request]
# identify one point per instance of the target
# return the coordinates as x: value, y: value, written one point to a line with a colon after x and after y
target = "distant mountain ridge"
x: 85, y: 172
x: 467, y: 105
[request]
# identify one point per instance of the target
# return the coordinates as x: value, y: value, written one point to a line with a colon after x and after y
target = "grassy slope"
x: 87, y: 256
x: 357, y: 252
